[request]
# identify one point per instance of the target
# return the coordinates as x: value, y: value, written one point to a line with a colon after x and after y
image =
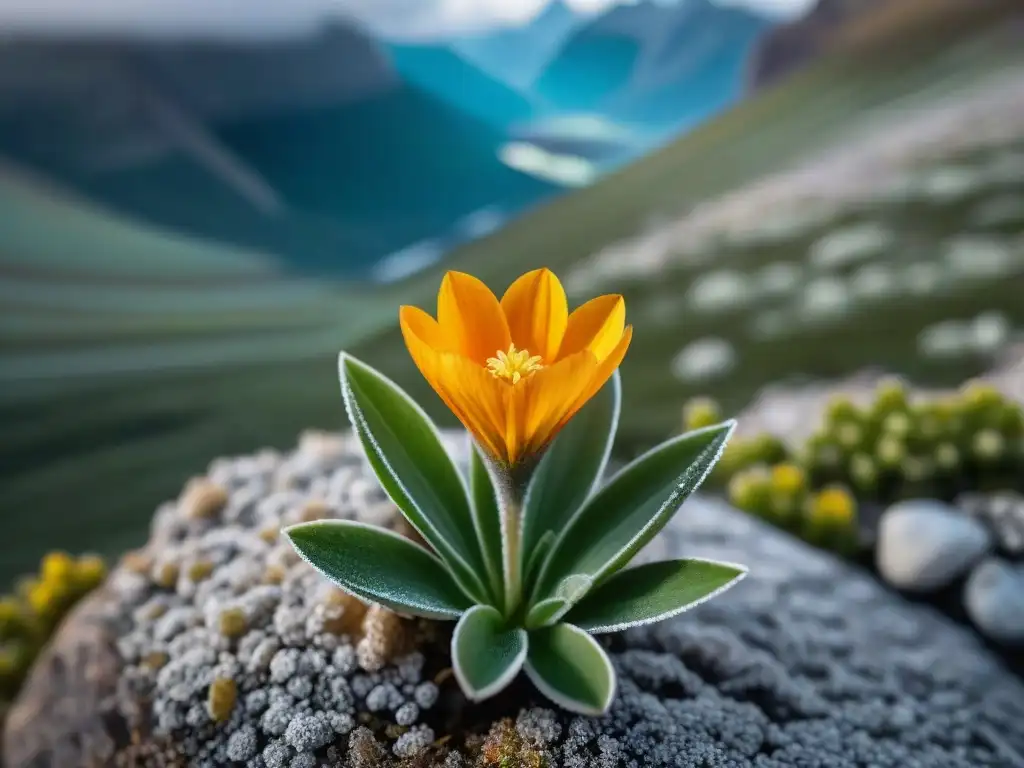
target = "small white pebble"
x: 407, y: 714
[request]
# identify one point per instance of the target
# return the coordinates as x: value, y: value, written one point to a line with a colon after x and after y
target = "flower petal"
x: 471, y: 318
x: 541, y: 405
x: 419, y: 329
x: 604, y: 371
x: 415, y: 321
x: 596, y: 325
x: 537, y: 313
x: 478, y: 400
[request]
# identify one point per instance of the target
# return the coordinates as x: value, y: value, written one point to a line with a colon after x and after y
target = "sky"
x: 283, y: 18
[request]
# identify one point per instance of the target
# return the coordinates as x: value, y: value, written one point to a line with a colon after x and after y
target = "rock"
x: 1003, y: 513
x: 994, y: 599
x: 808, y: 662
x: 923, y: 545
x: 61, y: 717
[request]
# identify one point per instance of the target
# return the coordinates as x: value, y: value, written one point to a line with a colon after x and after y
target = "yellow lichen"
x: 221, y: 699
x: 57, y: 567
x: 89, y: 571
x: 166, y: 574
x: 199, y: 570
x: 232, y: 623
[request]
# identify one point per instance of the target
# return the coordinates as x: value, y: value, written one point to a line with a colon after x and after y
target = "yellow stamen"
x: 514, y: 365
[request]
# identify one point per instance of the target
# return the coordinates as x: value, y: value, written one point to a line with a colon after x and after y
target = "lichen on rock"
x: 809, y: 662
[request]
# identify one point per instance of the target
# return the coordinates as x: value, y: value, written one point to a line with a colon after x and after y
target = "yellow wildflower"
x: 514, y: 372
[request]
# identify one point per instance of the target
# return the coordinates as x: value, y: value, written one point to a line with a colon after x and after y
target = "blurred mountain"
x: 517, y: 55
x: 858, y: 27
x: 314, y: 149
x: 789, y: 46
x: 660, y: 66
x: 444, y: 72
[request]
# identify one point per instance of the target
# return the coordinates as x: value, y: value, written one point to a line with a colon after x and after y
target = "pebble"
x: 994, y: 599
x: 924, y: 545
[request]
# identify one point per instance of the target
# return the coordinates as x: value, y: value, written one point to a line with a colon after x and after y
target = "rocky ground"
x: 966, y: 557
x: 214, y: 645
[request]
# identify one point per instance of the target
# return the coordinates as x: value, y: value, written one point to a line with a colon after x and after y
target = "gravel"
x: 808, y: 662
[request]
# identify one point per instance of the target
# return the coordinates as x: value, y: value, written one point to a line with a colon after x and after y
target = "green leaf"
x: 652, y: 592
x: 572, y: 466
x: 486, y: 653
x: 628, y: 512
x: 570, y: 591
x: 537, y: 556
x: 569, y: 667
x: 379, y: 566
x: 486, y: 508
x: 407, y: 455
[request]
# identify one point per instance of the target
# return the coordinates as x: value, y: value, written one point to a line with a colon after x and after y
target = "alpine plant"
x: 527, y: 550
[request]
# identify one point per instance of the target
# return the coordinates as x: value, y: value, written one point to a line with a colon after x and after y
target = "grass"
x: 163, y: 353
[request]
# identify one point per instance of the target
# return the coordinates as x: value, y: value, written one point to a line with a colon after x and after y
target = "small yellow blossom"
x: 833, y: 506
x: 514, y: 372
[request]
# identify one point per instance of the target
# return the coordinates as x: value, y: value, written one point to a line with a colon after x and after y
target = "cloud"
x: 285, y: 18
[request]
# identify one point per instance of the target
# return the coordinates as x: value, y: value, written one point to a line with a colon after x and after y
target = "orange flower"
x: 515, y: 372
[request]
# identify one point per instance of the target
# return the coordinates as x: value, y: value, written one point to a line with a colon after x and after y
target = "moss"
x: 503, y: 747
x: 701, y: 412
x: 39, y: 602
x: 893, y: 448
x: 221, y: 700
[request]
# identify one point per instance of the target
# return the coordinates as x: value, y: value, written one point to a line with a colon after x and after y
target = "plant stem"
x: 513, y: 559
x: 511, y: 488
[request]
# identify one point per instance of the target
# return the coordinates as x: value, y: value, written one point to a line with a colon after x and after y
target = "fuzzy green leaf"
x: 572, y: 467
x: 379, y: 566
x: 569, y: 667
x: 486, y: 508
x: 570, y: 591
x: 486, y: 653
x: 406, y: 453
x: 652, y: 592
x: 538, y: 556
x: 628, y: 512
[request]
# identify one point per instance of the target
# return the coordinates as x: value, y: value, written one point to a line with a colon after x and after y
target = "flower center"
x: 514, y: 365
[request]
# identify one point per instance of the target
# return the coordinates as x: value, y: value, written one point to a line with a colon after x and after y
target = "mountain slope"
x: 653, y: 64
x: 517, y: 55
x: 443, y: 72
x: 313, y: 150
